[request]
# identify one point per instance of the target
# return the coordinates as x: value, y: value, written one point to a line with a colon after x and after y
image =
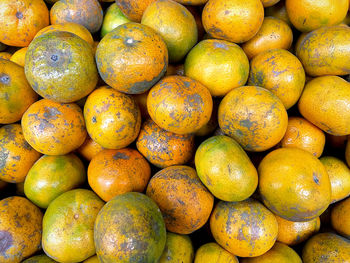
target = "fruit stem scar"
x: 19, y: 15
x: 4, y: 79
x: 54, y: 58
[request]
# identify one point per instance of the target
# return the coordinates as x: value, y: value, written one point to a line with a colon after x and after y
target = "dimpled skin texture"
x: 54, y: 128
x: 178, y: 248
x: 60, y: 66
x: 113, y: 119
x: 16, y: 95
x: 130, y: 228
x: 304, y: 191
x: 179, y: 104
x: 20, y: 20
x: 236, y: 21
x: 132, y: 58
x: 87, y: 13
x: 340, y: 218
x: 184, y: 211
x: 133, y: 9
x: 326, y: 51
x: 16, y: 155
x: 20, y: 229
x: 213, y: 253
x: 326, y: 103
x: 163, y: 148
x: 246, y: 228
x: 254, y: 117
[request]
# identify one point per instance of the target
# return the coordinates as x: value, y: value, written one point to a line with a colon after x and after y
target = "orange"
x: 178, y: 248
x: 175, y: 69
x: 39, y: 259
x: 54, y: 128
x: 60, y: 66
x: 16, y: 95
x: 113, y: 18
x: 268, y: 3
x: 184, y: 201
x: 130, y: 228
x: 19, y: 56
x: 175, y: 24
x: 279, y: 11
x: 279, y: 71
x: 89, y: 148
x: 209, y: 128
x: 340, y: 217
x: 141, y: 100
x: 246, y: 228
x: 113, y: 119
x: 93, y: 259
x: 254, y: 117
x: 20, y: 229
x: 119, y: 54
x: 87, y: 13
x: 347, y: 152
x: 162, y: 148
x: 217, y: 64
x: 133, y: 9
x: 326, y: 103
x: 5, y: 55
x: 213, y: 253
x: 308, y: 15
x: 304, y: 190
x: 20, y: 20
x: 16, y: 155
x: 192, y: 2
x: 236, y: 21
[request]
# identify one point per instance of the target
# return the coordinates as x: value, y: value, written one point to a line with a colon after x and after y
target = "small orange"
x: 340, y: 218
x: 133, y: 9
x: 191, y: 2
x: 268, y: 3
x: 279, y: 11
x: 178, y: 248
x: 213, y: 253
x: 89, y: 148
x: 19, y: 56
x: 113, y: 18
x: 54, y: 128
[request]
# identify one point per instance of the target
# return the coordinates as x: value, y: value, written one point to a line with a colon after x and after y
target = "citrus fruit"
x: 213, y: 253
x: 89, y: 148
x: 340, y: 217
x: 5, y: 55
x: 113, y: 18
x: 93, y: 259
x: 39, y: 259
x: 178, y: 248
x: 133, y: 9
x: 19, y: 56
x: 268, y: 3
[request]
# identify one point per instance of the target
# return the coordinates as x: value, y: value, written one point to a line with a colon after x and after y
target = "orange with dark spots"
x: 133, y: 9
x: 89, y: 148
x: 184, y: 201
x: 20, y: 20
x: 163, y: 148
x: 175, y: 69
x: 54, y: 128
x: 178, y: 248
x: 179, y: 104
x: 115, y: 172
x: 87, y: 13
x: 20, y: 229
x: 246, y: 228
x: 279, y: 11
x: 16, y: 155
x: 213, y: 253
x: 113, y: 119
x: 340, y: 218
x: 5, y: 55
x: 16, y: 95
x: 132, y: 58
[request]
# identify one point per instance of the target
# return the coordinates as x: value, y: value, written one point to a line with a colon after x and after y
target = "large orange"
x: 340, y: 217
x: 213, y: 253
x: 20, y: 20
x: 132, y: 58
x: 133, y: 9
x: 235, y: 20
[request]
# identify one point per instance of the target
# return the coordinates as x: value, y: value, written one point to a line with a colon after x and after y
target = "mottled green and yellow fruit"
x: 113, y: 18
x: 178, y: 248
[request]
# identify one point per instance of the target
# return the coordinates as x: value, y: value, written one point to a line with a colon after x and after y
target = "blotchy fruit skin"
x: 292, y: 233
x: 213, y: 253
x: 304, y: 190
x: 340, y: 218
x: 225, y: 169
x: 254, y: 117
x: 179, y: 104
x: 51, y: 176
x: 87, y: 13
x: 113, y: 18
x: 20, y: 229
x: 39, y: 259
x: 184, y: 201
x: 20, y: 20
x: 178, y: 248
x: 326, y: 51
x: 60, y: 66
x: 16, y: 155
x: 167, y: 17
x: 279, y: 71
x: 113, y: 119
x: 217, y: 64
x: 54, y: 128
x: 326, y: 247
x: 68, y: 226
x: 132, y: 58
x: 236, y: 21
x: 89, y: 148
x: 246, y: 228
x: 16, y: 95
x: 325, y: 102
x: 163, y: 148
x: 133, y: 9
x: 130, y: 228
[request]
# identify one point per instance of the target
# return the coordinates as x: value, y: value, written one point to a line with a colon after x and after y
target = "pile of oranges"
x: 174, y: 131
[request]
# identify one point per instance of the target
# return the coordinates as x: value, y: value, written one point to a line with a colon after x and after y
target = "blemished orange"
x: 279, y: 71
x: 213, y: 253
x: 5, y: 55
x: 178, y: 248
x: 113, y: 119
x: 340, y: 217
x: 179, y: 104
x: 218, y: 64
x: 89, y: 148
x: 133, y: 9
x: 132, y: 58
x: 236, y: 21
x: 279, y: 11
x: 302, y: 193
x: 246, y: 228
x: 253, y: 116
x: 304, y: 135
x: 184, y: 211
x: 20, y: 20
x: 54, y: 128
x: 19, y: 56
